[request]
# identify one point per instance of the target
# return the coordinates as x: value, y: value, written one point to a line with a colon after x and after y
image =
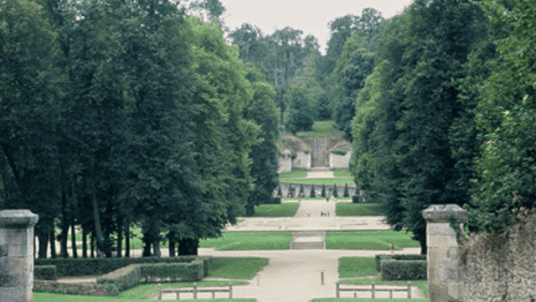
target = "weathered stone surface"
x: 17, y: 219
x: 441, y: 212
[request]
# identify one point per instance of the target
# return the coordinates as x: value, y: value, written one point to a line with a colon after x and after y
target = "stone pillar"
x: 17, y: 255
x: 442, y: 263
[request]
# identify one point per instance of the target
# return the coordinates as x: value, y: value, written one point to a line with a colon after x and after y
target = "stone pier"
x: 16, y: 255
x: 442, y: 265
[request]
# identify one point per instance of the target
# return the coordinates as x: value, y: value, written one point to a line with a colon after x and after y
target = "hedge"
x: 274, y: 200
x: 379, y: 258
x: 100, y: 266
x: 403, y: 270
x: 133, y: 275
x: 45, y: 272
x: 75, y: 288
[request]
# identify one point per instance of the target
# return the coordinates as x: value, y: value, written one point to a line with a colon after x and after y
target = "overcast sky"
x: 310, y: 16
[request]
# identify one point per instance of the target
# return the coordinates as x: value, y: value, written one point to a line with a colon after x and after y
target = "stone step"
x: 319, y: 169
x: 309, y: 234
x: 307, y: 245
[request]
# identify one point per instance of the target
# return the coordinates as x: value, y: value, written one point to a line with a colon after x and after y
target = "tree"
x: 505, y: 114
x: 262, y: 110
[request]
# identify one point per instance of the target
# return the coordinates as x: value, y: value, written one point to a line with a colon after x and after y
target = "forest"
x: 153, y: 114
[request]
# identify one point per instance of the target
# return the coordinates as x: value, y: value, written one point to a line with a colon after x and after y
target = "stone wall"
x: 340, y: 161
x: 295, y: 189
x: 285, y: 164
x: 302, y: 160
x: 500, y: 267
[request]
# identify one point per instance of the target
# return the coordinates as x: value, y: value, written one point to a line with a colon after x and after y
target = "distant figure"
x: 308, y: 213
x: 322, y: 214
x: 327, y: 199
x: 392, y: 248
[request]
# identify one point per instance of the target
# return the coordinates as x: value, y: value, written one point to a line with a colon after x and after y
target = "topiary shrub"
x: 45, y: 272
x: 403, y: 269
x: 323, y: 192
x: 312, y: 193
x: 335, y: 193
x: 346, y: 194
x: 380, y: 258
x: 279, y: 192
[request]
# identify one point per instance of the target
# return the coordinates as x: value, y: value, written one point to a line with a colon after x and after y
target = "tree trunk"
x: 43, y: 244
x: 64, y: 225
x: 171, y: 237
x: 73, y: 240
x: 156, y: 247
x: 147, y: 244
x: 92, y: 244
x: 98, y: 230
x: 188, y: 247
x: 52, y: 238
x: 424, y: 248
x: 84, y: 242
x: 119, y: 248
x: 250, y: 210
x: 127, y: 239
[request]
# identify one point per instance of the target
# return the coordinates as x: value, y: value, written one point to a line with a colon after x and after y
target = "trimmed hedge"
x: 356, y: 199
x: 45, y: 272
x: 379, y: 258
x: 403, y: 270
x: 100, y: 266
x: 75, y: 288
x: 134, y: 274
x: 274, y: 200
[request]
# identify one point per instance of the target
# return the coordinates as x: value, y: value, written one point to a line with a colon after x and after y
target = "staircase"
x: 308, y: 241
x: 320, y: 152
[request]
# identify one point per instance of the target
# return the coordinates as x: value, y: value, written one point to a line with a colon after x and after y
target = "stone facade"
x: 302, y: 160
x: 285, y: 164
x: 16, y: 255
x: 340, y: 161
x: 442, y: 256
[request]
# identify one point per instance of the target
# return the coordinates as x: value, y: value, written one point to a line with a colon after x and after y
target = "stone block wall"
x: 285, y: 164
x: 340, y: 161
x: 302, y: 160
x: 16, y: 255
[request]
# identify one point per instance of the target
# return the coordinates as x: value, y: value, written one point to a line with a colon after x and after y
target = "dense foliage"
x: 117, y: 113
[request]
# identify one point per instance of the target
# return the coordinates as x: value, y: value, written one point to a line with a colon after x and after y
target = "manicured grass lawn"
x: 145, y: 290
x: 49, y: 297
x: 357, y: 267
x: 237, y: 268
x: 366, y: 300
x: 250, y: 241
x: 342, y: 173
x: 359, y: 209
x: 320, y: 129
x: 295, y: 173
x: 287, y: 209
x: 319, y: 181
x: 369, y: 240
x: 423, y: 285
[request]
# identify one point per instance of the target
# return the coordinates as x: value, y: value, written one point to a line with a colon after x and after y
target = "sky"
x: 310, y: 16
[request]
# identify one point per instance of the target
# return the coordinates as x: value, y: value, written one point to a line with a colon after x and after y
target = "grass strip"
x: 359, y: 209
x: 295, y: 173
x: 357, y: 267
x: 237, y: 268
x: 318, y: 181
x: 49, y: 297
x: 342, y: 173
x: 423, y: 285
x: 320, y: 129
x: 249, y: 241
x: 369, y: 240
x: 287, y: 209
x: 143, y: 291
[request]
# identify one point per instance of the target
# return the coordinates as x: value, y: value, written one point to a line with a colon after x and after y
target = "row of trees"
x: 448, y: 113
x: 119, y: 113
x: 310, y: 86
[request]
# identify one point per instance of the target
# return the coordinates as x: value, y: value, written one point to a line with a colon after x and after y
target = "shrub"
x: 346, y: 193
x: 340, y: 151
x: 45, y: 272
x: 101, y: 266
x: 403, y: 269
x: 379, y: 258
x: 274, y: 200
x: 356, y: 199
x: 312, y: 193
x: 122, y: 279
x: 279, y: 192
x: 186, y: 272
x: 335, y: 193
x: 323, y: 192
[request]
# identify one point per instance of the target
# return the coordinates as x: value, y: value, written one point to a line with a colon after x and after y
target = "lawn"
x: 295, y: 173
x: 143, y: 291
x: 287, y: 209
x: 237, y: 268
x: 359, y: 209
x: 49, y: 297
x: 249, y: 241
x: 318, y: 181
x: 369, y: 240
x: 357, y: 267
x: 342, y: 173
x: 320, y: 129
